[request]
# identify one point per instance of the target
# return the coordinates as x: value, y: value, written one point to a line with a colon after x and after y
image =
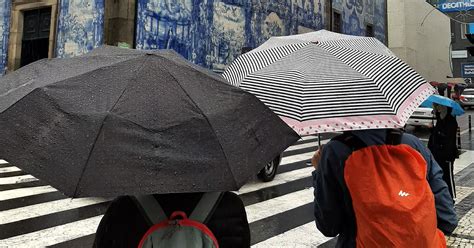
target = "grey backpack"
x: 178, y: 230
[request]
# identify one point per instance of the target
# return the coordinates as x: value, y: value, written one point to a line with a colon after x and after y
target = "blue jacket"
x: 332, y: 205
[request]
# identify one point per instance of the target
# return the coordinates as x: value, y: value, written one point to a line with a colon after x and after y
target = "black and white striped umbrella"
x: 324, y: 82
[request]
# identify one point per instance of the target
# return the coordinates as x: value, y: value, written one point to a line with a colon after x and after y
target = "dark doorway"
x: 35, y: 42
x: 337, y: 23
x: 369, y: 31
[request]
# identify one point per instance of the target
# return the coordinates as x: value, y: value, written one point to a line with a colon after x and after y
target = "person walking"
x: 124, y: 223
x: 381, y: 188
x: 442, y: 87
x: 442, y: 144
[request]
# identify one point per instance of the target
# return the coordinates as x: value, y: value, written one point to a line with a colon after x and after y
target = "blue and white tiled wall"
x: 5, y: 6
x: 211, y: 33
x: 80, y: 27
x: 356, y: 14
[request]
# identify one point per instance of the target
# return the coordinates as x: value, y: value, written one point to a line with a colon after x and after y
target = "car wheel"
x: 269, y: 171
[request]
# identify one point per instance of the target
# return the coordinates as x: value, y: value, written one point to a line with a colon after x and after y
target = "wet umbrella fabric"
x: 324, y: 82
x: 441, y: 100
x: 125, y: 122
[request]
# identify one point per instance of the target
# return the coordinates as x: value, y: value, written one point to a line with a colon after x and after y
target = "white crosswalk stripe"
x: 40, y: 205
x: 278, y: 205
x: 300, y: 237
x: 17, y: 179
x: 23, y: 192
x: 54, y: 235
x: 279, y: 179
x: 307, y: 145
x: 42, y: 209
x: 301, y: 146
x: 9, y: 169
x: 77, y: 228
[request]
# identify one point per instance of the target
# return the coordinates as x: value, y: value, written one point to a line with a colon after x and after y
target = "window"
x: 369, y: 31
x: 336, y: 24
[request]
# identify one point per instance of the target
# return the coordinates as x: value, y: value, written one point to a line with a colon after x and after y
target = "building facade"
x: 211, y: 33
x: 420, y: 35
x: 462, y: 61
x: 5, y: 6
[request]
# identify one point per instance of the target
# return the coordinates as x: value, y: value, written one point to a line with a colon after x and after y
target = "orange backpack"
x: 392, y: 200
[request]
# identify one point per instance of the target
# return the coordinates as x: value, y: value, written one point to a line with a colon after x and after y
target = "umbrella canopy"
x: 124, y: 122
x: 441, y: 100
x: 324, y: 82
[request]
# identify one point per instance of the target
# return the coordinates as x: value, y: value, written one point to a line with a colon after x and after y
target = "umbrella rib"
x: 205, y: 117
x: 101, y: 126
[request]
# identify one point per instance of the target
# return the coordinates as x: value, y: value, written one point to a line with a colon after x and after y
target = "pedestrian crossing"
x: 280, y: 212
x: 37, y: 210
x: 62, y: 221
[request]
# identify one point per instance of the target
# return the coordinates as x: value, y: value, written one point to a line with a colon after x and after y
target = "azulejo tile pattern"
x: 5, y: 6
x: 80, y: 27
x: 356, y: 14
x: 212, y: 33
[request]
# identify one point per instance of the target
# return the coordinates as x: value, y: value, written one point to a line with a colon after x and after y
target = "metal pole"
x: 459, y: 138
x: 470, y: 124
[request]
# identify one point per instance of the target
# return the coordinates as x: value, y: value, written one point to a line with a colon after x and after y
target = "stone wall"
x: 16, y: 28
x: 420, y: 36
x: 119, y: 22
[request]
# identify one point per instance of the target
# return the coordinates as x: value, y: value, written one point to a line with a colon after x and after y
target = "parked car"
x: 422, y: 117
x: 270, y: 170
x: 467, y: 98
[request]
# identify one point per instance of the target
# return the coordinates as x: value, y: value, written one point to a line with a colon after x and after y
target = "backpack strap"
x: 393, y: 137
x: 351, y: 141
x: 150, y: 208
x: 206, y: 206
x: 154, y: 213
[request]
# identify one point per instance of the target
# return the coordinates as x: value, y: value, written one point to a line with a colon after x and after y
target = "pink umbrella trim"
x: 363, y: 122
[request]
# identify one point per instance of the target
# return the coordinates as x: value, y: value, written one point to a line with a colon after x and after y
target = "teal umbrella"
x: 441, y: 100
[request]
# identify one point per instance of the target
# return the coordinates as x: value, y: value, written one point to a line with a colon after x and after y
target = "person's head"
x: 441, y: 111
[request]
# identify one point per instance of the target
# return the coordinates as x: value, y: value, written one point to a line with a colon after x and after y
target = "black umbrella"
x: 119, y: 122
